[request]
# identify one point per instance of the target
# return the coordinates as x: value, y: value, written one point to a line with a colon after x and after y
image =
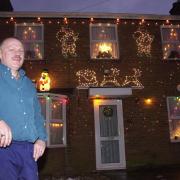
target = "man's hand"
x: 39, y: 148
x: 5, y: 134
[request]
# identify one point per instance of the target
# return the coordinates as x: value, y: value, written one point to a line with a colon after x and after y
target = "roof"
x: 87, y: 15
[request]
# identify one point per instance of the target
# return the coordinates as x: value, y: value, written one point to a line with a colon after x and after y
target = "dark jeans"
x: 17, y: 162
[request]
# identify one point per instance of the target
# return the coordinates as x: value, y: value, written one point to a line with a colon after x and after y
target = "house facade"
x: 114, y: 98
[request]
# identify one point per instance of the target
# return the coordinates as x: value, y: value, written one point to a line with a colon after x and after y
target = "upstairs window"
x: 170, y: 42
x: 104, y: 41
x: 173, y: 104
x: 33, y: 39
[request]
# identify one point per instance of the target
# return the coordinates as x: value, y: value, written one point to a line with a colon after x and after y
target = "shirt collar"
x: 6, y: 69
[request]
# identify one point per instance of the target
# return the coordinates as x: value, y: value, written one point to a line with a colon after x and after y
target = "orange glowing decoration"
x: 105, y: 50
x: 148, y: 101
x: 56, y: 125
x: 29, y: 33
x: 45, y: 81
x: 97, y: 102
x: 104, y: 47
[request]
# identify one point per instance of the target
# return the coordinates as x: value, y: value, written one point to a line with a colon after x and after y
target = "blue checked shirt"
x: 19, y: 107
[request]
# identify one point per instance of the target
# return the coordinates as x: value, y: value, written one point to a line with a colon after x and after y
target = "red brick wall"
x: 146, y: 128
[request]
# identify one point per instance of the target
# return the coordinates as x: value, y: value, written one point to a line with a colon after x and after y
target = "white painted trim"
x: 109, y: 92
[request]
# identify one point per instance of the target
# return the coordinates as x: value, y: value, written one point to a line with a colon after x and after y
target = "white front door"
x: 109, y: 135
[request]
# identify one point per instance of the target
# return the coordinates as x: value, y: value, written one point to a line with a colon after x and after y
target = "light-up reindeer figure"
x: 87, y: 78
x: 133, y: 80
x: 111, y: 77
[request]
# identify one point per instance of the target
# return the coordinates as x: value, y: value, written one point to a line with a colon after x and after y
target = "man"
x: 22, y: 131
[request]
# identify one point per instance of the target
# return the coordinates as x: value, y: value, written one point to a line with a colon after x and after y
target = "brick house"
x: 114, y: 101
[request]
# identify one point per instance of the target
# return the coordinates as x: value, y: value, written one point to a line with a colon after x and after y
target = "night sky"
x: 115, y: 6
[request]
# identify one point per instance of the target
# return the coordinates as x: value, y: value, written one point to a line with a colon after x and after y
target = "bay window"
x: 173, y: 104
x: 53, y: 108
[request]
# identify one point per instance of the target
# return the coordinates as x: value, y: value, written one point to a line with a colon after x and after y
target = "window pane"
x: 104, y: 50
x: 33, y: 50
x: 56, y: 133
x: 42, y: 101
x: 56, y: 108
x: 174, y: 118
x: 103, y: 33
x: 174, y: 107
x: 175, y: 129
x: 109, y: 120
x: 32, y: 37
x: 29, y: 33
x: 171, y: 42
x: 171, y: 34
x: 110, y: 151
x: 171, y: 50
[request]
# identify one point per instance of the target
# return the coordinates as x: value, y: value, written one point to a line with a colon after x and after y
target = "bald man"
x: 22, y: 131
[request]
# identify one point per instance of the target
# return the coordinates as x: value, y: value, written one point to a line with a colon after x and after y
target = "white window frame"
x: 48, y: 99
x: 171, y: 119
x: 177, y: 42
x: 116, y: 41
x: 32, y: 41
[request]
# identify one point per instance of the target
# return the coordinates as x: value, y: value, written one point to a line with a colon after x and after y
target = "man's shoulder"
x: 29, y: 82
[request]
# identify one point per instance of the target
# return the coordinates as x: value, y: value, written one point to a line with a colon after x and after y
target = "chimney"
x: 176, y: 8
x: 5, y: 5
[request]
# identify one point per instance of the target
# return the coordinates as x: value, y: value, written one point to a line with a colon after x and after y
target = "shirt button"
x: 24, y: 113
x: 18, y: 89
x: 21, y: 100
x: 25, y: 126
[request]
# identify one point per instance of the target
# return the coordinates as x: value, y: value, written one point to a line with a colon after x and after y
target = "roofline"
x: 87, y: 15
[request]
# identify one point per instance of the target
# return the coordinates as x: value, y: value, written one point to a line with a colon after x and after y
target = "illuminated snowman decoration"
x: 45, y: 81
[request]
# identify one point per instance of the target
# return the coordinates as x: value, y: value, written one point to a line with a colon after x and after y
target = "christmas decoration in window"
x: 170, y: 36
x: 104, y: 42
x: 31, y: 35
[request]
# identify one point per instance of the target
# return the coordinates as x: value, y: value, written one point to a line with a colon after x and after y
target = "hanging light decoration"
x: 68, y: 39
x: 144, y: 41
x: 86, y: 78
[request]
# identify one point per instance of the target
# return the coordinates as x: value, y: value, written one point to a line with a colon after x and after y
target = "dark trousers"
x: 17, y: 162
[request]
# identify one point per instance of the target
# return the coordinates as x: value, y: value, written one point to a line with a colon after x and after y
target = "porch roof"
x: 109, y: 92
